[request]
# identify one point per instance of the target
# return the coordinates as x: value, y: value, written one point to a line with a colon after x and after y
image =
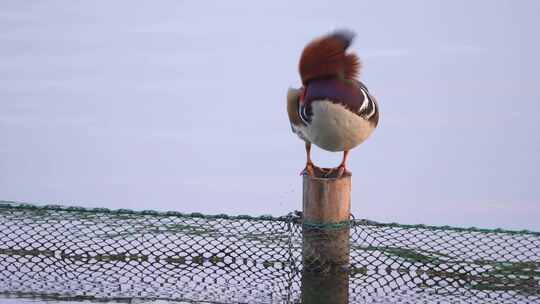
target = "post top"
x: 326, y: 199
x: 320, y: 174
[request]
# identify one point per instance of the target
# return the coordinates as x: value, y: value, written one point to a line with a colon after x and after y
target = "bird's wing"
x: 374, y: 119
x: 351, y: 94
x: 293, y: 98
x: 372, y: 112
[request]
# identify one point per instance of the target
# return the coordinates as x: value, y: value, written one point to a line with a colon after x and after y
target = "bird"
x: 332, y: 109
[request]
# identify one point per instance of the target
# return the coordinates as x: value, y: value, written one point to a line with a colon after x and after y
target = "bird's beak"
x: 302, y: 95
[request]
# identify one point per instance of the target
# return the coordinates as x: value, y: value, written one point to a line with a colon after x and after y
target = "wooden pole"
x: 326, y: 208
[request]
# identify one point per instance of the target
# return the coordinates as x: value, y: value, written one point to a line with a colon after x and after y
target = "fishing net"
x: 53, y: 252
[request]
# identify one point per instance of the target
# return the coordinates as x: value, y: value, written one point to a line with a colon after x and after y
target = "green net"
x: 100, y: 254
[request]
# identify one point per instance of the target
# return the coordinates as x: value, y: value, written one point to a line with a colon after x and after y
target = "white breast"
x: 334, y: 128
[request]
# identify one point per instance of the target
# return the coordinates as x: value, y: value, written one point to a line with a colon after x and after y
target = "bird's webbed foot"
x: 337, y: 172
x: 309, y: 170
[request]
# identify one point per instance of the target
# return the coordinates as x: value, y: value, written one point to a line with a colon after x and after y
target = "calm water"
x: 180, y: 106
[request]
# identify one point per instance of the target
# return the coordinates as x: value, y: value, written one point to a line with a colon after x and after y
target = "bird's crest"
x: 326, y: 57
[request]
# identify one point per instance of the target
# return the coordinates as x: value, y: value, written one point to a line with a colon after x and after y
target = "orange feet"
x: 309, y: 169
x: 339, y: 171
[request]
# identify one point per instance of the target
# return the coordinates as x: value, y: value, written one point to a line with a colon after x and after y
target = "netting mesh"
x: 99, y: 254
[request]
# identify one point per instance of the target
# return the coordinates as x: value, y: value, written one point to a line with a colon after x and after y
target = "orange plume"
x: 326, y: 57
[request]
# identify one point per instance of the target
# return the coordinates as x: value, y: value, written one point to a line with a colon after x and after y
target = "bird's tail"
x: 325, y: 56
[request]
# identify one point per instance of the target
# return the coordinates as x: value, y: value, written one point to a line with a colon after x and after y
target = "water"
x: 180, y: 106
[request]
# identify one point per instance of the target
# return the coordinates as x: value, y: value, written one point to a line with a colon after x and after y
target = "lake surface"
x: 180, y: 106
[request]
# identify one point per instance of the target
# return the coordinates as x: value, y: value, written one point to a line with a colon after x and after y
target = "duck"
x: 332, y: 109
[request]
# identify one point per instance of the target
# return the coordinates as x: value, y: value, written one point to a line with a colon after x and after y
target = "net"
x: 99, y: 254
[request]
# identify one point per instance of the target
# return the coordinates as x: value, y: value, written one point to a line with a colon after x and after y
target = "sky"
x: 180, y: 105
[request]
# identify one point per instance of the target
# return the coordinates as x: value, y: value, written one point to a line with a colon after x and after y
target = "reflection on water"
x: 122, y: 256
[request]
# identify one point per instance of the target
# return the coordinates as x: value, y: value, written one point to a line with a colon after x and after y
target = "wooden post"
x: 325, y: 244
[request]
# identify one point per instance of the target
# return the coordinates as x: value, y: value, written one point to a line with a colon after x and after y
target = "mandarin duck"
x: 332, y: 109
